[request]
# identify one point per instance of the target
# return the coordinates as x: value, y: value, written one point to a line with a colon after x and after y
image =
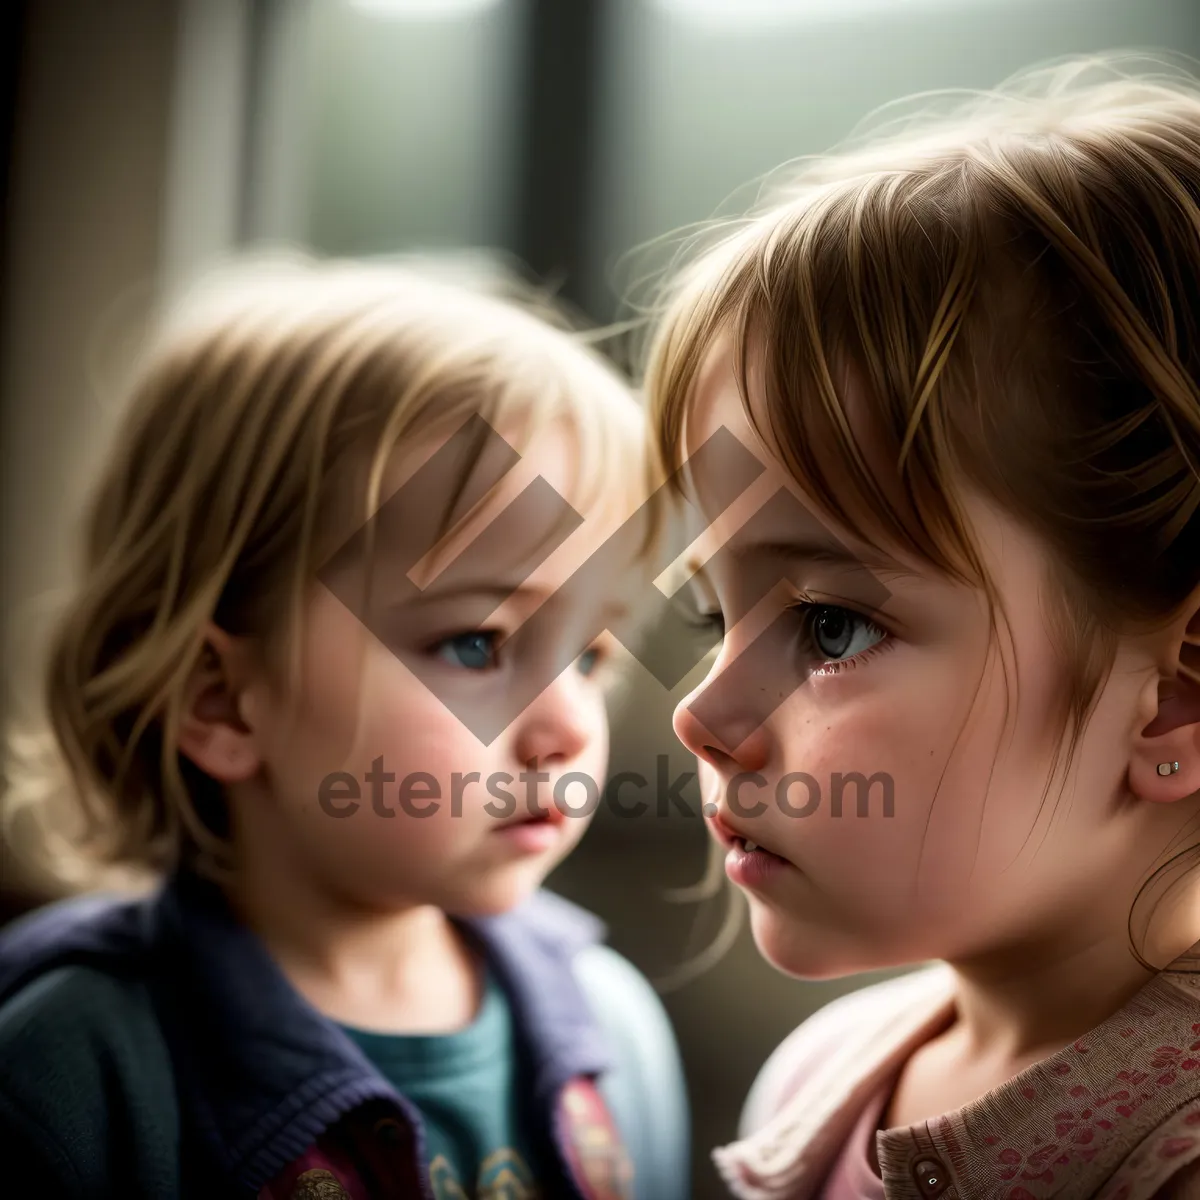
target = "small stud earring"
x: 1168, y: 768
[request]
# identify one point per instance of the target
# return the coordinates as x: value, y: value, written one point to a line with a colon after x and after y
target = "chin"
x: 489, y: 896
x: 804, y: 952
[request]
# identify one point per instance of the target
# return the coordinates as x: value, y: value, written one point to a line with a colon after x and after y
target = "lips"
x: 732, y: 839
x: 546, y: 814
x: 533, y: 834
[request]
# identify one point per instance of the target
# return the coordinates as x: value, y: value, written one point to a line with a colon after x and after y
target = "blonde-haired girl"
x: 329, y: 660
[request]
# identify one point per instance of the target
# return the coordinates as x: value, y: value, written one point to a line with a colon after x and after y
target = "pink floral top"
x: 1114, y: 1116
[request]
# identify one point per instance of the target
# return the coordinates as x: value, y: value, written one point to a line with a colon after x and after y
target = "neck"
x: 1021, y: 1006
x: 1031, y: 997
x: 1023, y: 1001
x: 393, y: 970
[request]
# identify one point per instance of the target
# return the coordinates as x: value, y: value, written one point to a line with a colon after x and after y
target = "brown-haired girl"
x: 968, y: 354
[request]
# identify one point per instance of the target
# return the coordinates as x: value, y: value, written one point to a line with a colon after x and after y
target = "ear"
x: 214, y: 733
x: 1165, y: 763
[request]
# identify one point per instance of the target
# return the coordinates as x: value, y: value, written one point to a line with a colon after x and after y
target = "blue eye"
x: 588, y: 660
x: 471, y: 651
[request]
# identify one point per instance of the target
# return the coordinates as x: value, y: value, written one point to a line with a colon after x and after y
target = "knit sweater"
x: 1113, y: 1116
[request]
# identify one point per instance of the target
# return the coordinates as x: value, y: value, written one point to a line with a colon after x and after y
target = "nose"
x: 727, y: 739
x: 559, y: 725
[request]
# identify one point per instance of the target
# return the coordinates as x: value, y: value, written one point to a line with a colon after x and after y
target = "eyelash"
x: 437, y: 648
x: 599, y: 653
x: 807, y: 611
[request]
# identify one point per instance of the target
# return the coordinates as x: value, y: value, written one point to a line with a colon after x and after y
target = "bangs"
x: 1001, y: 298
x: 527, y: 389
x: 606, y: 423
x: 842, y: 350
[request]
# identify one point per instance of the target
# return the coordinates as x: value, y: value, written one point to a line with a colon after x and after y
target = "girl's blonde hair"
x: 260, y: 423
x: 1015, y: 290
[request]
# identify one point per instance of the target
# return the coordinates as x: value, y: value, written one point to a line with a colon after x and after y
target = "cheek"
x: 924, y: 744
x: 1001, y: 768
x: 858, y: 751
x: 317, y: 729
x: 363, y: 714
x: 594, y: 755
x: 366, y: 716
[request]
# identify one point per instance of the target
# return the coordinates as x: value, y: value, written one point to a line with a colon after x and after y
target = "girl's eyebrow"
x: 829, y: 551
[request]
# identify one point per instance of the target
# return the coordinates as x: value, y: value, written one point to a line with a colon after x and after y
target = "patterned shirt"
x: 1113, y: 1116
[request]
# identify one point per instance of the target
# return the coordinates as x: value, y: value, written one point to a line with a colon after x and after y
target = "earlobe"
x: 1165, y: 764
x: 1163, y: 780
x: 213, y: 732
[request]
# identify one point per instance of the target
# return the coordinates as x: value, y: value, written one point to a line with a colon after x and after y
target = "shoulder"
x: 625, y: 991
x: 633, y: 1017
x: 77, y: 1022
x: 72, y: 989
x: 68, y: 1006
x: 620, y: 997
x: 557, y: 922
x: 646, y: 1089
x: 80, y: 1049
x: 836, y: 1027
x: 101, y: 929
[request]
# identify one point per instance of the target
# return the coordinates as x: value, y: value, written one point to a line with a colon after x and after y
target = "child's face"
x: 970, y: 858
x: 363, y: 712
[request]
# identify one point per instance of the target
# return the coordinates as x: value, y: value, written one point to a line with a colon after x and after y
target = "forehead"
x: 716, y: 403
x: 717, y: 407
x: 719, y: 402
x: 778, y: 510
x: 526, y: 518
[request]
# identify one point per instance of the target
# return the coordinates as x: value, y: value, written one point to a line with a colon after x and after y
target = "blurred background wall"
x: 143, y: 138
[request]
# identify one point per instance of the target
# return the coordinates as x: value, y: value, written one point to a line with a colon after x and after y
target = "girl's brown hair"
x: 258, y: 431
x: 1015, y: 289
